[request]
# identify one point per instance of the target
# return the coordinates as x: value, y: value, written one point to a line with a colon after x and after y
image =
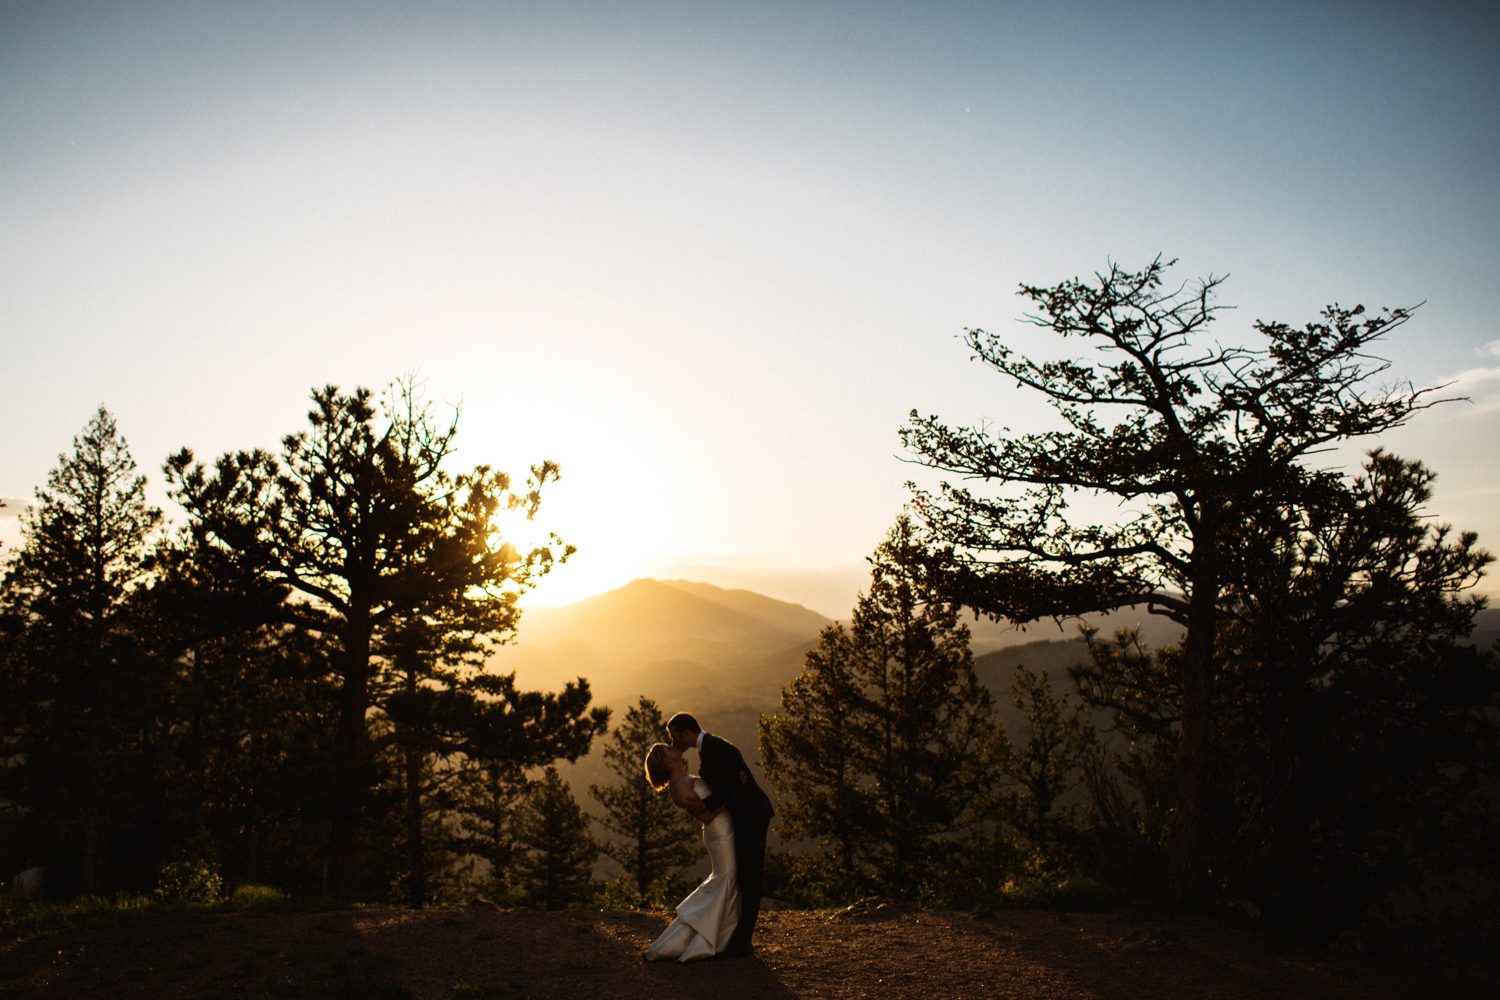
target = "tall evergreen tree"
x: 1354, y: 739
x: 247, y: 750
x: 485, y: 796
x: 653, y: 839
x: 1195, y: 436
x: 448, y: 713
x: 1362, y: 725
x: 554, y: 860
x: 81, y: 691
x: 362, y: 531
x: 885, y: 744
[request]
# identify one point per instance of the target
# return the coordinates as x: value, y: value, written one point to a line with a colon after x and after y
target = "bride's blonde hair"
x: 658, y: 775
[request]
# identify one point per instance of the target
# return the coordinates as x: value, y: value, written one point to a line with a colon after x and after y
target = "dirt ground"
x: 373, y: 954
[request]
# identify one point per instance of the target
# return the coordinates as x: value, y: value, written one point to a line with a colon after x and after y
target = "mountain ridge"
x: 623, y: 636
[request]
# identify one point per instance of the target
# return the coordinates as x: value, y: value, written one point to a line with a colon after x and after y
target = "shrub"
x: 620, y: 893
x: 258, y: 897
x: 1058, y: 892
x: 193, y: 880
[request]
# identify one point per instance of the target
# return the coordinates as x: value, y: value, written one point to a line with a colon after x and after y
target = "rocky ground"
x: 871, y: 951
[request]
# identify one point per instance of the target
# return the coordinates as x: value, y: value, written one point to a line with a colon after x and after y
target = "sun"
x: 627, y: 498
x: 616, y: 539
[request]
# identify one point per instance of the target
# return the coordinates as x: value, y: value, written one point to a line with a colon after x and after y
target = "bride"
x: 707, y: 917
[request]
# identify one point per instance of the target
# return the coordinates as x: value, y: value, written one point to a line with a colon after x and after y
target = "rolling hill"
x: 664, y: 639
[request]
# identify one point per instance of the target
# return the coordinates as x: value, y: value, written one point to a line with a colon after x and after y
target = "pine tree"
x: 654, y: 840
x: 1196, y: 437
x: 1046, y: 761
x: 554, y: 861
x: 82, y: 692
x: 366, y: 538
x: 485, y: 797
x: 1354, y: 740
x: 884, y: 745
x: 445, y: 708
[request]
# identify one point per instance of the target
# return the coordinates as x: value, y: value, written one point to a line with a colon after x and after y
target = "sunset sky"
x: 707, y: 255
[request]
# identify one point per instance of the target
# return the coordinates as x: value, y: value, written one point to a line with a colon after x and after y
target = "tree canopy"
x: 1193, y: 438
x: 83, y: 695
x: 367, y: 539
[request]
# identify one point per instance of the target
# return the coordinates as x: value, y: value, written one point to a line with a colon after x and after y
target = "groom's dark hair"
x: 684, y: 721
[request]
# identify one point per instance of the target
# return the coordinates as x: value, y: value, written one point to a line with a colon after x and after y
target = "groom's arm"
x: 720, y: 769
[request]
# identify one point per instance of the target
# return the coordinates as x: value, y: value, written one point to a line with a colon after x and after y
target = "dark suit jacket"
x: 730, y: 783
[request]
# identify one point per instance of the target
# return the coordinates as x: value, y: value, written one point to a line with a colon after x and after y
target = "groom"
x: 722, y: 768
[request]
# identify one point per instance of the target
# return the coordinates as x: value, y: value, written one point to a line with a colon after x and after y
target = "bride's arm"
x: 682, y: 793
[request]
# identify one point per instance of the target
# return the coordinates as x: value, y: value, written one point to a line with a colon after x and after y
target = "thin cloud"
x: 1481, y: 383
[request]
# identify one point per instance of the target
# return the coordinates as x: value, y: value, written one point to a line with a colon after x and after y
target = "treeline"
x: 285, y: 686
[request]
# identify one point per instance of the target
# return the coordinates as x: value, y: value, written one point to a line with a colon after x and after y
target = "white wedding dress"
x: 708, y: 916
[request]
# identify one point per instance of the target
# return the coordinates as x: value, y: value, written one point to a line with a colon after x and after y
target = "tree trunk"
x: 343, y: 834
x: 416, y: 883
x: 1188, y: 876
x: 92, y: 849
x: 642, y: 883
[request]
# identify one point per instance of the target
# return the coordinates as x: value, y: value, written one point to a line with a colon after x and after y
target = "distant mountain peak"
x: 647, y: 611
x: 611, y: 636
x: 734, y: 594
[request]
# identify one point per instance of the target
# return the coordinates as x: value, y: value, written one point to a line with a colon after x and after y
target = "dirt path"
x: 374, y: 954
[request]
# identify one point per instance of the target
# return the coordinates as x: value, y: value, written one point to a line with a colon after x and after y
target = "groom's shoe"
x: 737, y: 951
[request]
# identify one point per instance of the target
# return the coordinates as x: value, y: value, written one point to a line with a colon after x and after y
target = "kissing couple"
x: 717, y: 919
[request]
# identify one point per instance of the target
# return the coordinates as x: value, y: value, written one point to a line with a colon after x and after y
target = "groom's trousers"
x: 750, y: 830
x: 724, y: 770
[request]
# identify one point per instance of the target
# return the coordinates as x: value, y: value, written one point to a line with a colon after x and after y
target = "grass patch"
x: 94, y: 917
x: 97, y: 944
x: 263, y: 897
x: 1059, y: 893
x: 117, y: 926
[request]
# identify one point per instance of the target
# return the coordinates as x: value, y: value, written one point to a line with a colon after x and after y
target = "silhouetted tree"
x: 1361, y: 723
x: 485, y: 795
x: 1198, y: 437
x: 554, y: 859
x: 818, y: 775
x: 653, y: 839
x: 362, y: 531
x: 884, y: 745
x: 1353, y: 740
x: 247, y: 742
x: 81, y: 692
x: 1045, y: 762
x: 1130, y: 778
x: 249, y: 752
x: 446, y: 710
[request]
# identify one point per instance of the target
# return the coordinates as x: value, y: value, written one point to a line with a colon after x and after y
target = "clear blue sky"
x: 708, y: 255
